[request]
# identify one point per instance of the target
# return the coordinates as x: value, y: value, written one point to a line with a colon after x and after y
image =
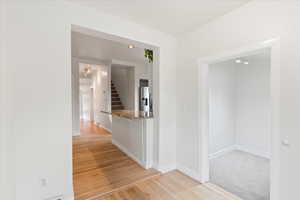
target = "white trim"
x: 75, y: 133
x: 275, y: 121
x: 60, y: 197
x: 253, y: 151
x: 158, y: 147
x: 107, y: 129
x: 122, y: 148
x: 204, y: 123
x: 72, y: 197
x: 91, y: 61
x: 222, y: 191
x: 125, y: 63
x: 5, y: 107
x: 203, y: 63
x: 156, y: 75
x: 166, y: 168
x: 189, y: 172
x: 222, y: 152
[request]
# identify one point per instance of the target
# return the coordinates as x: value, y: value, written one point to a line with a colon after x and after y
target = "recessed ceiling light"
x: 246, y: 63
x: 238, y: 61
x: 130, y: 46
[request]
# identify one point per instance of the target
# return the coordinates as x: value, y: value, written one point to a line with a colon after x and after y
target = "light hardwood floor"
x: 171, y: 186
x: 101, y: 168
x: 102, y: 172
x: 89, y: 129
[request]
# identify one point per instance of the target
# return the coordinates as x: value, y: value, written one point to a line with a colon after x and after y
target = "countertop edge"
x: 128, y: 115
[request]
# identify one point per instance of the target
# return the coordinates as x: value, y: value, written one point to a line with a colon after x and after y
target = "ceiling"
x: 263, y: 55
x: 89, y: 47
x: 171, y: 16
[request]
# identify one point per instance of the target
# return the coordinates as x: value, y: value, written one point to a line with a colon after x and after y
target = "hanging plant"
x: 149, y: 55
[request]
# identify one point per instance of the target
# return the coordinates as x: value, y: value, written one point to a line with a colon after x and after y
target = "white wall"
x: 6, y: 182
x: 222, y: 106
x: 131, y: 86
x: 38, y: 39
x: 42, y: 104
x: 255, y: 22
x: 2, y: 100
x: 85, y: 102
x: 102, y: 101
x: 253, y: 109
x: 41, y: 113
x: 75, y: 98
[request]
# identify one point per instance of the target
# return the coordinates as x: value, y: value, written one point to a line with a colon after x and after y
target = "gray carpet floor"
x: 242, y: 174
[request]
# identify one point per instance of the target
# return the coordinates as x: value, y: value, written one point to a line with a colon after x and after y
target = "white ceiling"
x: 256, y: 57
x: 89, y: 47
x: 261, y: 56
x: 170, y: 16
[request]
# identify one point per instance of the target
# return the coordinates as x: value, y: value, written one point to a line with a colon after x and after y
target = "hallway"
x: 101, y: 168
x: 88, y: 128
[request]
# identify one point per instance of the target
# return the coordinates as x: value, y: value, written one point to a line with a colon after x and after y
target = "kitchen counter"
x: 132, y: 115
x: 133, y: 133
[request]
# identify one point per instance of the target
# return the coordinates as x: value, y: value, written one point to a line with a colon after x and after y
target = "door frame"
x: 203, y: 108
x: 75, y: 85
x: 157, y: 147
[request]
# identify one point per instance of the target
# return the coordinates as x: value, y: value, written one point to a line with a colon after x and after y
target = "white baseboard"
x: 76, y: 134
x: 240, y: 148
x: 140, y: 162
x: 166, y: 168
x: 61, y: 197
x: 101, y: 126
x: 70, y: 198
x: 222, y: 152
x: 189, y: 172
x: 253, y: 151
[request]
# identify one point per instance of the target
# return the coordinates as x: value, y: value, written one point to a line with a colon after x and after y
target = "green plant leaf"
x: 149, y: 55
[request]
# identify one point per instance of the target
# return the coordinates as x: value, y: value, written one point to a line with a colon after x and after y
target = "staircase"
x: 116, y: 103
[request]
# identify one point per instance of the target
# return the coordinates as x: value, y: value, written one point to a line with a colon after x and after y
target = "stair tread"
x: 116, y: 103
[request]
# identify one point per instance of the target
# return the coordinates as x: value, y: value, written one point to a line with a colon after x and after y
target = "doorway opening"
x: 114, y: 144
x: 239, y: 117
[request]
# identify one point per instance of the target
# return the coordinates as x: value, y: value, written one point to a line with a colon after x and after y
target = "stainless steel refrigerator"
x: 145, y: 99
